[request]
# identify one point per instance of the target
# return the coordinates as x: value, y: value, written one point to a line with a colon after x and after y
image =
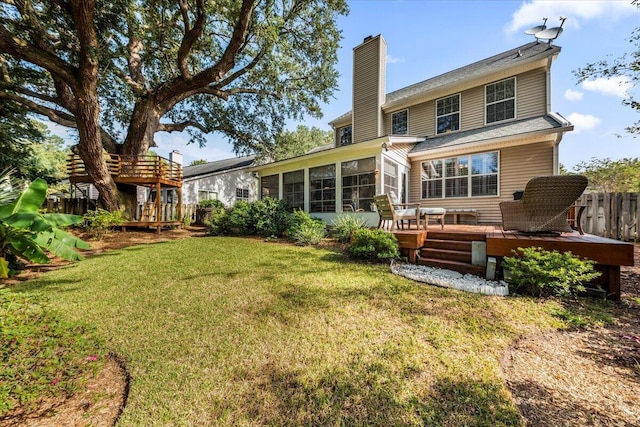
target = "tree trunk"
x: 144, y: 124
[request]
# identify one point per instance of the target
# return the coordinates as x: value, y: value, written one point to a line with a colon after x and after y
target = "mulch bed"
x: 575, y: 378
x: 586, y: 377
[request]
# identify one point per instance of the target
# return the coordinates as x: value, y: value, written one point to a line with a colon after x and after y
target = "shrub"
x: 98, y: 222
x: 42, y: 354
x: 305, y: 230
x: 186, y: 220
x: 374, y: 245
x: 211, y: 203
x: 242, y: 219
x: 272, y: 217
x: 218, y: 222
x: 535, y: 271
x: 344, y: 225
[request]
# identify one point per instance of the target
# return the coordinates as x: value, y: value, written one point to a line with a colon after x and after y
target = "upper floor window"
x: 270, y: 186
x: 399, y: 121
x: 500, y: 98
x: 345, y: 135
x: 474, y: 175
x: 448, y: 114
x: 293, y: 189
x: 242, y: 194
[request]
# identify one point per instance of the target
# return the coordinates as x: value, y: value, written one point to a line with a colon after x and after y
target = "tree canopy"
x: 122, y: 70
x: 296, y: 143
x: 627, y: 66
x: 611, y: 176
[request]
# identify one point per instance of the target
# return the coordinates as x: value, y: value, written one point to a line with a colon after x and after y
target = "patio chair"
x: 395, y: 212
x: 544, y: 205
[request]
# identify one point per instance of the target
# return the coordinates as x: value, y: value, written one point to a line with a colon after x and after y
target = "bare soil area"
x: 586, y: 377
x: 576, y: 378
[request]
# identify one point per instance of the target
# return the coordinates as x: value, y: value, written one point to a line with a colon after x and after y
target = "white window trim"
x: 391, y: 122
x: 459, y: 94
x: 515, y: 100
x: 469, y: 176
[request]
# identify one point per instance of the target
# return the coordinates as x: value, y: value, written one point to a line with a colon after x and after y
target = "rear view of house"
x: 466, y: 139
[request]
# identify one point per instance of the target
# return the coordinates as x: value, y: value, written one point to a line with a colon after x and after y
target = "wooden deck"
x: 607, y: 253
x: 154, y: 172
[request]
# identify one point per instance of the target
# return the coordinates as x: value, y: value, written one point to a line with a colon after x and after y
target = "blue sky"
x: 428, y: 38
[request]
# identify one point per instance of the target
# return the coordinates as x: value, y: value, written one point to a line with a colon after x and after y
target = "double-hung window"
x: 270, y: 186
x: 500, y: 99
x: 293, y: 189
x: 345, y: 135
x: 399, y: 123
x: 391, y: 177
x: 358, y: 184
x: 322, y: 183
x: 448, y: 114
x: 473, y: 175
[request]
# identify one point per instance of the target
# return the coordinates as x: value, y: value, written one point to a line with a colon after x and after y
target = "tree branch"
x: 179, y: 127
x: 190, y: 36
x: 56, y: 116
x: 21, y: 49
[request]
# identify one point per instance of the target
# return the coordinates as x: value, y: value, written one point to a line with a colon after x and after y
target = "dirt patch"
x: 99, y: 404
x: 582, y: 378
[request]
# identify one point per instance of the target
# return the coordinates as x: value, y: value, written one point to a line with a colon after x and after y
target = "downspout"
x: 556, y: 154
x: 548, y: 77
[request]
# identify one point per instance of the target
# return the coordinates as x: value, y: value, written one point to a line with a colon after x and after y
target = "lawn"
x: 231, y: 331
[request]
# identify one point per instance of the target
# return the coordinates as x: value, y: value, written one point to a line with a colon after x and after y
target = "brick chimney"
x: 369, y: 85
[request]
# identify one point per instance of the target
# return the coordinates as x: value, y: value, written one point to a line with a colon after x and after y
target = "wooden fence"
x: 612, y: 215
x: 168, y: 211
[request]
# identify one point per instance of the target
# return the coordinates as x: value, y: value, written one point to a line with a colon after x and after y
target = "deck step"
x: 460, y: 267
x: 446, y: 254
x: 466, y: 237
x: 452, y: 245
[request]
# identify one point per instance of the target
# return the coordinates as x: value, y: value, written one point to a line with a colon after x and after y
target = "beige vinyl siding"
x: 531, y: 98
x: 517, y: 166
x: 366, y: 90
x: 531, y: 94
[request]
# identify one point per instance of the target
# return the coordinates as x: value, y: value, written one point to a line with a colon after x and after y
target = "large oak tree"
x: 119, y: 71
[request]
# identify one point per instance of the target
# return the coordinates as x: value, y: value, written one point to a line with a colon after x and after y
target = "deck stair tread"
x: 446, y: 254
x: 453, y: 245
x: 460, y: 267
x: 466, y: 237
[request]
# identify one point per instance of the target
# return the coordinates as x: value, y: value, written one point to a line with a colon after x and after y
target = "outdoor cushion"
x: 433, y: 211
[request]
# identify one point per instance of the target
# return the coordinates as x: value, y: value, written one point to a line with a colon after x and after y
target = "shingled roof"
x: 217, y: 166
x: 510, y: 129
x: 525, y: 53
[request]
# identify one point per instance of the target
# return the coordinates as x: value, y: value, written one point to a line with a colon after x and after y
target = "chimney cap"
x: 369, y: 37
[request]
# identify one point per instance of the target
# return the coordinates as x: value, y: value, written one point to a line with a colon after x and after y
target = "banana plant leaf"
x: 58, y: 220
x: 25, y: 246
x: 4, y: 268
x: 29, y: 201
x: 62, y: 244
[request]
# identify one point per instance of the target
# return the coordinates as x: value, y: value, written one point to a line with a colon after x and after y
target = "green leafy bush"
x: 344, y: 225
x: 186, y: 220
x: 272, y: 217
x: 374, y: 245
x: 98, y: 222
x: 538, y: 272
x: 218, y: 223
x: 41, y: 354
x: 305, y: 230
x: 242, y: 218
x: 211, y: 203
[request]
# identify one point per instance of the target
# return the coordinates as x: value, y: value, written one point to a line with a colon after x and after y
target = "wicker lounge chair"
x: 544, y: 205
x: 395, y: 212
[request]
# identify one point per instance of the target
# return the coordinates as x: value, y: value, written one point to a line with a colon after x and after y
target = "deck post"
x: 158, y: 205
x: 179, y: 190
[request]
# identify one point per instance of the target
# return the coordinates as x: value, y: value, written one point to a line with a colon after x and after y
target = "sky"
x: 428, y: 38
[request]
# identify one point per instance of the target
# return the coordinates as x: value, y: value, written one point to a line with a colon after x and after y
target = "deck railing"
x: 136, y: 167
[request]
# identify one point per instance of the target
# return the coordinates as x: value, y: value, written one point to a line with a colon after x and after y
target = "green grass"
x: 229, y: 331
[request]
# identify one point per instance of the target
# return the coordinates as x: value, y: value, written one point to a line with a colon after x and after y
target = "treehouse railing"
x: 134, y: 167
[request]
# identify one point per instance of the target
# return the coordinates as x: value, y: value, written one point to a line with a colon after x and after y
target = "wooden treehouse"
x: 154, y: 173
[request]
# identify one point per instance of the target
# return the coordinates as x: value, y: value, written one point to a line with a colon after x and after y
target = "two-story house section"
x: 466, y: 139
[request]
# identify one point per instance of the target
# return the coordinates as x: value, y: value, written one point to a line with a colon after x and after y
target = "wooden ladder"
x: 149, y: 209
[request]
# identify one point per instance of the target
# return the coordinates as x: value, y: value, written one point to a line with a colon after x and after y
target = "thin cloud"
x: 394, y: 59
x: 573, y: 95
x: 531, y: 13
x: 583, y: 122
x: 615, y: 86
